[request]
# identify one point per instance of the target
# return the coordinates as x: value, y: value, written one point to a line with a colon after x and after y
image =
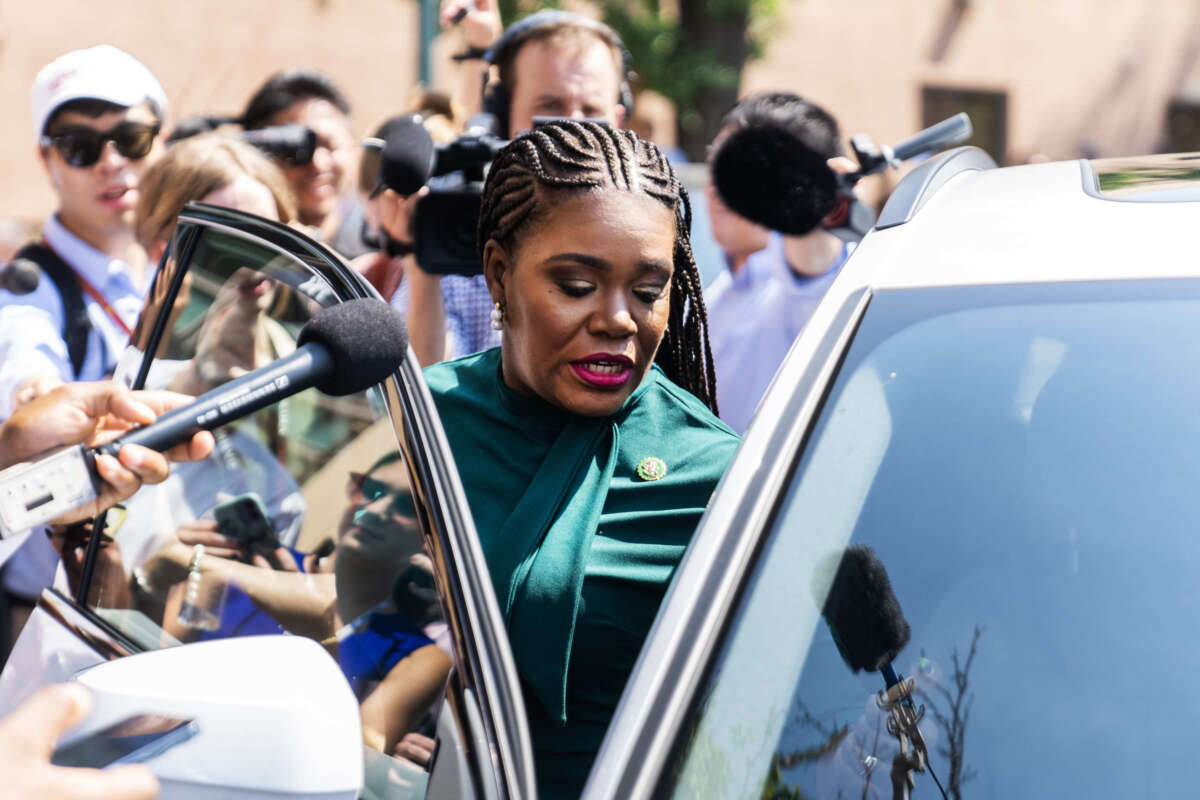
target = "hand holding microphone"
x: 92, y: 414
x: 342, y: 350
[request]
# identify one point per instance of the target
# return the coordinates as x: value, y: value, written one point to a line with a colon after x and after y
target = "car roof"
x: 1033, y: 223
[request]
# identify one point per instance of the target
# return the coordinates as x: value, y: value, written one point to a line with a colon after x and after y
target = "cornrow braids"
x: 572, y: 155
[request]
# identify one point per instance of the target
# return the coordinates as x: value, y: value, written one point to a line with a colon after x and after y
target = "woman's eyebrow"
x: 657, y: 265
x: 582, y: 258
x: 595, y: 262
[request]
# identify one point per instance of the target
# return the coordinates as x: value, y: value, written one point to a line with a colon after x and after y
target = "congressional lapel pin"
x: 651, y: 468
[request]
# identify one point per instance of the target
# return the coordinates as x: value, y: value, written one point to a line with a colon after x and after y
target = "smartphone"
x: 138, y: 738
x: 245, y: 518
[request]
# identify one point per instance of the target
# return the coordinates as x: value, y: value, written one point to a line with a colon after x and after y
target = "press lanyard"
x: 86, y: 285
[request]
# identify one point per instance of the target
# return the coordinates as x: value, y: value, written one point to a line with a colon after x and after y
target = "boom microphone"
x: 343, y: 349
x: 864, y: 615
x: 767, y: 174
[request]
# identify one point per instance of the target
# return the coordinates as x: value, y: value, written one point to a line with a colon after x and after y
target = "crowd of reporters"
x: 400, y: 206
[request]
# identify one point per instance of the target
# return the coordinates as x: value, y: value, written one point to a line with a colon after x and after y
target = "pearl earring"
x: 497, y: 317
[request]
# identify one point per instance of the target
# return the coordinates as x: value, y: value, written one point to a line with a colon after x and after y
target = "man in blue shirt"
x: 96, y: 114
x: 757, y: 307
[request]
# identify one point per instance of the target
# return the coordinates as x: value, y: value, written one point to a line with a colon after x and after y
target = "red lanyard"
x: 86, y: 285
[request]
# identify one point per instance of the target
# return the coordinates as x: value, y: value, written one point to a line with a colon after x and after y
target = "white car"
x: 997, y: 396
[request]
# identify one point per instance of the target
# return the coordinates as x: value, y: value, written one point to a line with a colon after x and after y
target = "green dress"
x: 579, y: 545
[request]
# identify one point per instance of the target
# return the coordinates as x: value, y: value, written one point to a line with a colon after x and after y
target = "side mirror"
x: 275, y: 716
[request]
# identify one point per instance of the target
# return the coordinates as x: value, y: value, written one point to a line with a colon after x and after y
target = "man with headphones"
x: 552, y: 63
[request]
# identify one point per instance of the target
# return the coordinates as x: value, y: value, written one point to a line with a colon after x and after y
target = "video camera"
x: 292, y: 144
x: 446, y: 218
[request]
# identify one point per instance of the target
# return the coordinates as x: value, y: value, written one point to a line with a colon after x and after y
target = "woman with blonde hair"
x: 210, y: 168
x: 238, y: 333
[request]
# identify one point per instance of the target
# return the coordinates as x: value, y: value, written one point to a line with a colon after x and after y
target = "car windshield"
x: 1022, y: 461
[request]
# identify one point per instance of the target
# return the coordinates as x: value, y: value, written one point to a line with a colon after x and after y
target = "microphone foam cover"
x: 21, y: 276
x: 366, y: 339
x: 863, y: 613
x: 768, y: 175
x: 408, y: 155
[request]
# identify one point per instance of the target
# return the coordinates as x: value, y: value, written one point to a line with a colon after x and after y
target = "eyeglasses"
x: 81, y: 147
x: 365, y: 490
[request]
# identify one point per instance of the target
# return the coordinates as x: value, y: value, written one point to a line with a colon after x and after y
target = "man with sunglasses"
x: 96, y: 116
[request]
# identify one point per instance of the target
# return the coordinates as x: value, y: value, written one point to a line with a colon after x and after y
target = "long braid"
x: 575, y: 155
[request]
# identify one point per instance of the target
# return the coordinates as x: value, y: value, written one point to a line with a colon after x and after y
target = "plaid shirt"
x: 468, y: 313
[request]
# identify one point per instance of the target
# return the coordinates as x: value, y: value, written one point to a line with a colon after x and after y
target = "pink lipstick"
x: 604, y: 370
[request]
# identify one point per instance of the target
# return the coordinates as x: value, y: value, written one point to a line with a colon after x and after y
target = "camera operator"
x: 448, y: 315
x: 773, y: 282
x: 310, y: 99
x: 551, y: 63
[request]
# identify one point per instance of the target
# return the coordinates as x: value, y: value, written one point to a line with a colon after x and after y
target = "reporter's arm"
x: 408, y: 690
x: 426, y: 316
x: 479, y: 21
x: 93, y: 414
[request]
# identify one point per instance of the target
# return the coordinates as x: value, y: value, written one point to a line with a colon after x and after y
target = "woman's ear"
x: 496, y: 267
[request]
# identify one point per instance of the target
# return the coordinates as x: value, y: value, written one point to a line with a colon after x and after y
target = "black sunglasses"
x: 81, y: 147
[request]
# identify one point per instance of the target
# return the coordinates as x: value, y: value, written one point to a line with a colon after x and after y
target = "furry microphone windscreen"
x: 408, y: 155
x: 766, y: 174
x: 863, y: 613
x: 366, y: 339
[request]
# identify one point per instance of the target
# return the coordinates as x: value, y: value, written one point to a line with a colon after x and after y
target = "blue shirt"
x: 754, y: 315
x: 31, y: 325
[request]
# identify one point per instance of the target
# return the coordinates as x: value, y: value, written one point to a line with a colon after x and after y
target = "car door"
x: 335, y: 519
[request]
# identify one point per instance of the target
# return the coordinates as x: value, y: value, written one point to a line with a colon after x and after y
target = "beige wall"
x: 1075, y: 71
x: 209, y: 55
x: 1099, y: 71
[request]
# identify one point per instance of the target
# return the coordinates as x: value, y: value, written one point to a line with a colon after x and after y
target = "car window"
x: 1021, y: 461
x: 302, y: 522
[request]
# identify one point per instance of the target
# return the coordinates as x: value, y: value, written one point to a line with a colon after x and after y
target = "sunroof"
x: 1171, y: 178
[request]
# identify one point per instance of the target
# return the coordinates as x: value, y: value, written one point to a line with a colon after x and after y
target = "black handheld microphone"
x: 20, y: 276
x: 343, y: 349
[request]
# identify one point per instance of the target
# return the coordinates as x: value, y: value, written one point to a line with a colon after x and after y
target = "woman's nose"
x: 614, y: 318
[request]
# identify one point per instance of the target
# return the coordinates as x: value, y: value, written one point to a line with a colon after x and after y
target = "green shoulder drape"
x: 580, y: 546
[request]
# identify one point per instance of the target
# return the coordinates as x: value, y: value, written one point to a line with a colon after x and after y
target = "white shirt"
x: 753, y: 318
x: 31, y: 325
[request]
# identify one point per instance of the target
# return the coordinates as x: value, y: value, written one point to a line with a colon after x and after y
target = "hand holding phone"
x: 27, y: 738
x: 245, y: 519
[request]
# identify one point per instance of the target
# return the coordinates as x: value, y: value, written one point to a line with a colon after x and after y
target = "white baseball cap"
x: 98, y: 73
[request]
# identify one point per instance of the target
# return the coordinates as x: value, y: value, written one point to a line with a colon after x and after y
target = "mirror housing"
x: 275, y: 716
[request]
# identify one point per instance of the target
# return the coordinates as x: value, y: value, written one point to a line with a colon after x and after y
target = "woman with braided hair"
x: 587, y: 443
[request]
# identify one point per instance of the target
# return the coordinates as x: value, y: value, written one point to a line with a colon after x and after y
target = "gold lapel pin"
x: 651, y: 468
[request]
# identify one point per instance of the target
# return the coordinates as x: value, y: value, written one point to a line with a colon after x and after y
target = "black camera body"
x: 447, y: 216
